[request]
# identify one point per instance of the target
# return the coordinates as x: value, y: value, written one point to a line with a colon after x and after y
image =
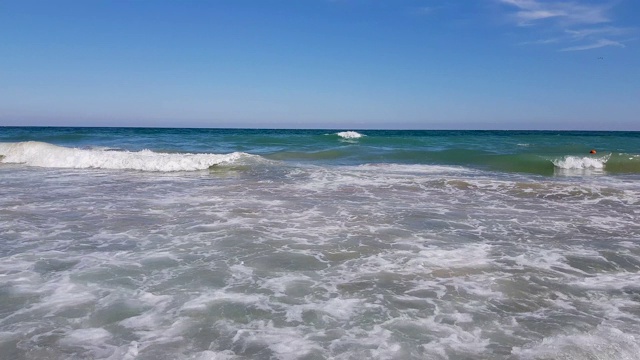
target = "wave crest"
x: 350, y: 134
x: 581, y: 162
x: 34, y: 153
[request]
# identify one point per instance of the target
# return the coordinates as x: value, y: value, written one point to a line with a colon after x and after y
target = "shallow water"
x: 272, y: 259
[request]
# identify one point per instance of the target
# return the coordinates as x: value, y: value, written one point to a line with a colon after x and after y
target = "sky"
x: 352, y: 64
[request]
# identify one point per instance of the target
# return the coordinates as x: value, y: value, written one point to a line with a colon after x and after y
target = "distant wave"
x: 350, y: 135
x: 42, y: 154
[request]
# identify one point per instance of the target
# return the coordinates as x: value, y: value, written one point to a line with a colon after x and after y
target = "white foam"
x: 34, y: 153
x: 279, y: 284
x: 472, y: 256
x: 202, y: 302
x: 431, y: 260
x: 126, y: 352
x: 147, y: 324
x: 86, y: 336
x: 376, y: 343
x: 285, y: 343
x: 603, y: 343
x: 451, y: 337
x: 57, y: 296
x: 350, y: 135
x: 544, y: 259
x: 581, y: 162
x: 602, y: 282
x: 417, y: 169
x: 368, y: 176
x: 212, y: 355
x: 94, y: 341
x: 339, y: 309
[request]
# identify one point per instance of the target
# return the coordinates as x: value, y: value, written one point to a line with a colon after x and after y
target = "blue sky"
x: 429, y: 64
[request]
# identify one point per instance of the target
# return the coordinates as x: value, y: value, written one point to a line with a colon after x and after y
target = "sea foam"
x: 34, y: 153
x: 350, y: 135
x: 581, y: 162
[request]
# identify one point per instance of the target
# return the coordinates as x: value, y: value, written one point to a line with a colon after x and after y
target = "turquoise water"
x: 124, y: 243
x: 509, y: 151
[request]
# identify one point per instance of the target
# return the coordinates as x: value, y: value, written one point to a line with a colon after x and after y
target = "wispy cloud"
x: 603, y: 31
x: 569, y: 12
x: 598, y: 44
x: 579, y: 25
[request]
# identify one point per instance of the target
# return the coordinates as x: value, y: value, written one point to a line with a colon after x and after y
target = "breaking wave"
x: 581, y: 162
x: 350, y: 134
x: 41, y: 154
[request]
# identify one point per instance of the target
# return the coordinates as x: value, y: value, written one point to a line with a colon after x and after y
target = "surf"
x: 41, y: 154
x: 350, y: 135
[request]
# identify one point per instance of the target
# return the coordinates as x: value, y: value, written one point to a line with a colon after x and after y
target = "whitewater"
x: 34, y: 153
x: 318, y: 244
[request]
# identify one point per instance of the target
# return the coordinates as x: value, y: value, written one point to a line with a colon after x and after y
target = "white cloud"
x: 579, y: 25
x: 570, y: 12
x: 537, y: 14
x: 598, y: 44
x: 605, y: 31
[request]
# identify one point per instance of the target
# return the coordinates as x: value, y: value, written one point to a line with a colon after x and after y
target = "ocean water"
x: 123, y: 243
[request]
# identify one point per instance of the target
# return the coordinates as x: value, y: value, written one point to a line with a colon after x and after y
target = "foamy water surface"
x: 314, y: 262
x: 234, y: 244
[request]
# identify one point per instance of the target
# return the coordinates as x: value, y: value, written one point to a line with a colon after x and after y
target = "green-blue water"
x: 124, y: 243
x: 538, y: 152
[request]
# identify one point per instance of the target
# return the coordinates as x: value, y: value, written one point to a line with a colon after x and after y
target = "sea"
x: 154, y: 243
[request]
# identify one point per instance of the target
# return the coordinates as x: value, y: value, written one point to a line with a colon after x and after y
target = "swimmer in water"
x: 592, y: 152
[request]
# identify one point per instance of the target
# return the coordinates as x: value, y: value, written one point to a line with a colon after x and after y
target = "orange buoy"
x: 592, y: 152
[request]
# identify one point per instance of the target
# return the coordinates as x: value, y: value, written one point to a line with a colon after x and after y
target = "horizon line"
x: 306, y: 129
